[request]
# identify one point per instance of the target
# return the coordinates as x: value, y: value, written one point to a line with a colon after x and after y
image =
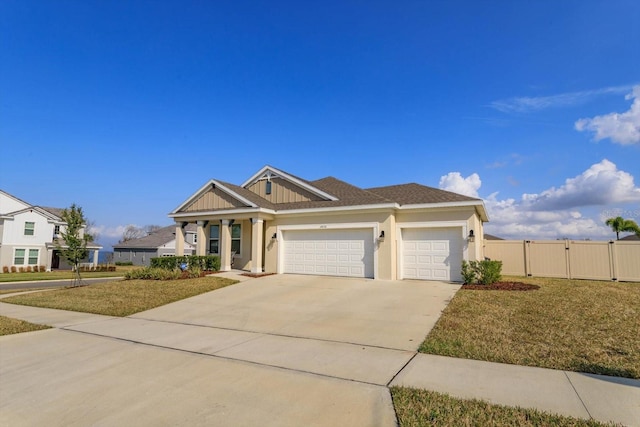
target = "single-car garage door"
x: 432, y: 253
x: 337, y: 252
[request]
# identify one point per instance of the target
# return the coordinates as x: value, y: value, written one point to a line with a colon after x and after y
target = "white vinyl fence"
x: 570, y: 259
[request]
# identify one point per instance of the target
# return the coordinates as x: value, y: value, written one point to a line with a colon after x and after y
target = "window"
x: 29, y: 228
x: 18, y: 258
x: 33, y: 257
x: 268, y: 187
x: 195, y: 238
x: 56, y: 230
x: 236, y: 234
x: 214, y: 239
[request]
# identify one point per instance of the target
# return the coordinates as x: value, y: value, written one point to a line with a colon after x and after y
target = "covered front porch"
x: 239, y: 241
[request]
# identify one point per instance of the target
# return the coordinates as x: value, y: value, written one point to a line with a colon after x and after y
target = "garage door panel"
x: 432, y: 253
x: 344, y: 252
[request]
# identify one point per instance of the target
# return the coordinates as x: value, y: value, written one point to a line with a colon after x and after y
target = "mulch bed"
x: 503, y: 286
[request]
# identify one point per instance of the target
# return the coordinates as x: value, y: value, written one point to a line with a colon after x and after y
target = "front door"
x: 55, y: 260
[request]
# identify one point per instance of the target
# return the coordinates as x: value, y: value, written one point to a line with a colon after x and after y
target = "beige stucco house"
x: 276, y: 222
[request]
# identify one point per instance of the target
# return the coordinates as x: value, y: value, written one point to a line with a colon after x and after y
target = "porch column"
x: 225, y: 246
x: 256, y: 245
x: 95, y: 257
x: 179, y: 240
x: 49, y: 258
x: 201, y: 245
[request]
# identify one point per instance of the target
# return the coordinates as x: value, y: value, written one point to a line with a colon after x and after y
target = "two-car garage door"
x: 432, y: 253
x: 333, y: 252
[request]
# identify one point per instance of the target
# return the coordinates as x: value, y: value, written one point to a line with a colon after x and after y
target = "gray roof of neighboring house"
x: 155, y: 239
x: 491, y: 237
x: 630, y: 237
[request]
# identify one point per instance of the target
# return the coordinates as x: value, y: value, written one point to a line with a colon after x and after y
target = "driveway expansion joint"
x: 577, y: 394
x: 402, y: 369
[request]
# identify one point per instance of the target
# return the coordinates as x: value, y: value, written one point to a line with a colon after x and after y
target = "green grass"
x: 576, y: 325
x: 10, y: 326
x: 63, y: 275
x: 122, y: 297
x: 417, y: 408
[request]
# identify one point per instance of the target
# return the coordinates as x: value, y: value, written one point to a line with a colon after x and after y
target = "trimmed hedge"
x: 207, y: 262
x: 123, y: 263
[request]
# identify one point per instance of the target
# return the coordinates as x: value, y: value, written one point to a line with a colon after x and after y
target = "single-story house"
x: 158, y: 243
x: 276, y: 222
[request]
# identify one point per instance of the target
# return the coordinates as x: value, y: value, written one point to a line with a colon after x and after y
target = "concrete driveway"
x: 279, y: 350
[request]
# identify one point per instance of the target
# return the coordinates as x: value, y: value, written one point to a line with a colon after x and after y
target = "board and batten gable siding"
x: 282, y: 191
x: 213, y: 199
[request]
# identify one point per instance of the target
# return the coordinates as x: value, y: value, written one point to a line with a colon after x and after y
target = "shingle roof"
x: 414, y: 194
x: 630, y: 237
x: 55, y: 211
x: 156, y: 239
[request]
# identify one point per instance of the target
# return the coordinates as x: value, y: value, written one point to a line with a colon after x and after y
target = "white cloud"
x: 453, y: 181
x: 109, y: 232
x: 526, y: 104
x: 623, y: 128
x: 601, y: 184
x: 555, y: 212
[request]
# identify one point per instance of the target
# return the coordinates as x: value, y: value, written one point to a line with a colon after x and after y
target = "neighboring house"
x: 279, y: 223
x: 491, y: 237
x: 158, y: 243
x: 29, y: 234
x: 632, y: 237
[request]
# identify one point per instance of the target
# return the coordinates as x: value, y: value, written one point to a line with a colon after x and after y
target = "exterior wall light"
x: 275, y: 236
x: 471, y: 238
x: 381, y: 237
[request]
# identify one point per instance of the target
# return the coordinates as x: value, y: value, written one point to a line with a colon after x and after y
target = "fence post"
x: 567, y: 259
x: 527, y: 258
x: 613, y: 261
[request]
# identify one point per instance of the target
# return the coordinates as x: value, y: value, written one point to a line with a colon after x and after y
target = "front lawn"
x: 121, y: 298
x: 576, y: 325
x: 10, y: 326
x: 421, y: 408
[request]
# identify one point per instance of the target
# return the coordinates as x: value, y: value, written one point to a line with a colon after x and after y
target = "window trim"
x: 214, y: 238
x: 30, y: 257
x: 239, y: 239
x: 15, y: 256
x: 32, y: 229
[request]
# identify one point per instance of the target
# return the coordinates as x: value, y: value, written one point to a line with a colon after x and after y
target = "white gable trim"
x: 206, y: 187
x: 46, y: 214
x: 280, y: 174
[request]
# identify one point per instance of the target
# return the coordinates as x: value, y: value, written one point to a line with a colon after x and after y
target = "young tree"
x: 74, y: 239
x: 621, y: 225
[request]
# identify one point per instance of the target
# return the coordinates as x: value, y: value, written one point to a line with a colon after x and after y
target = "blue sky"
x: 127, y: 108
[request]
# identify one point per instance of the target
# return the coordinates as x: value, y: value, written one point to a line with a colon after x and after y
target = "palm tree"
x: 619, y: 224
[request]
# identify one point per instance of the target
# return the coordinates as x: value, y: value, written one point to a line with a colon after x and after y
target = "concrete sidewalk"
x: 215, y: 369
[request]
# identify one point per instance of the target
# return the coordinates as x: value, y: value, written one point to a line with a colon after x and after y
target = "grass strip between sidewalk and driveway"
x: 122, y: 297
x: 575, y: 325
x: 421, y: 408
x: 10, y: 326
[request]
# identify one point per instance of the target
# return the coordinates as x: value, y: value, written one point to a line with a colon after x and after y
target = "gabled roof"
x: 45, y: 213
x: 334, y: 193
x: 630, y: 237
x: 269, y: 172
x: 216, y: 184
x: 155, y: 239
x: 415, y: 194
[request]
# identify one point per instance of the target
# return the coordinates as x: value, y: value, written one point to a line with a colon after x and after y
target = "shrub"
x: 13, y: 269
x: 468, y: 273
x: 207, y: 262
x: 124, y: 263
x: 485, y: 272
x: 152, y: 273
x: 42, y: 269
x: 28, y: 269
x: 21, y: 269
x: 5, y: 269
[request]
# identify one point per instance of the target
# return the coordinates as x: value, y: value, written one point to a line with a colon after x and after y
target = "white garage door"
x: 329, y: 252
x: 432, y: 253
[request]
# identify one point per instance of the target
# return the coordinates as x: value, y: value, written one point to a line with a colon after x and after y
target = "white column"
x: 49, y: 257
x: 95, y: 257
x: 201, y: 245
x: 256, y: 245
x: 225, y: 246
x: 179, y: 240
